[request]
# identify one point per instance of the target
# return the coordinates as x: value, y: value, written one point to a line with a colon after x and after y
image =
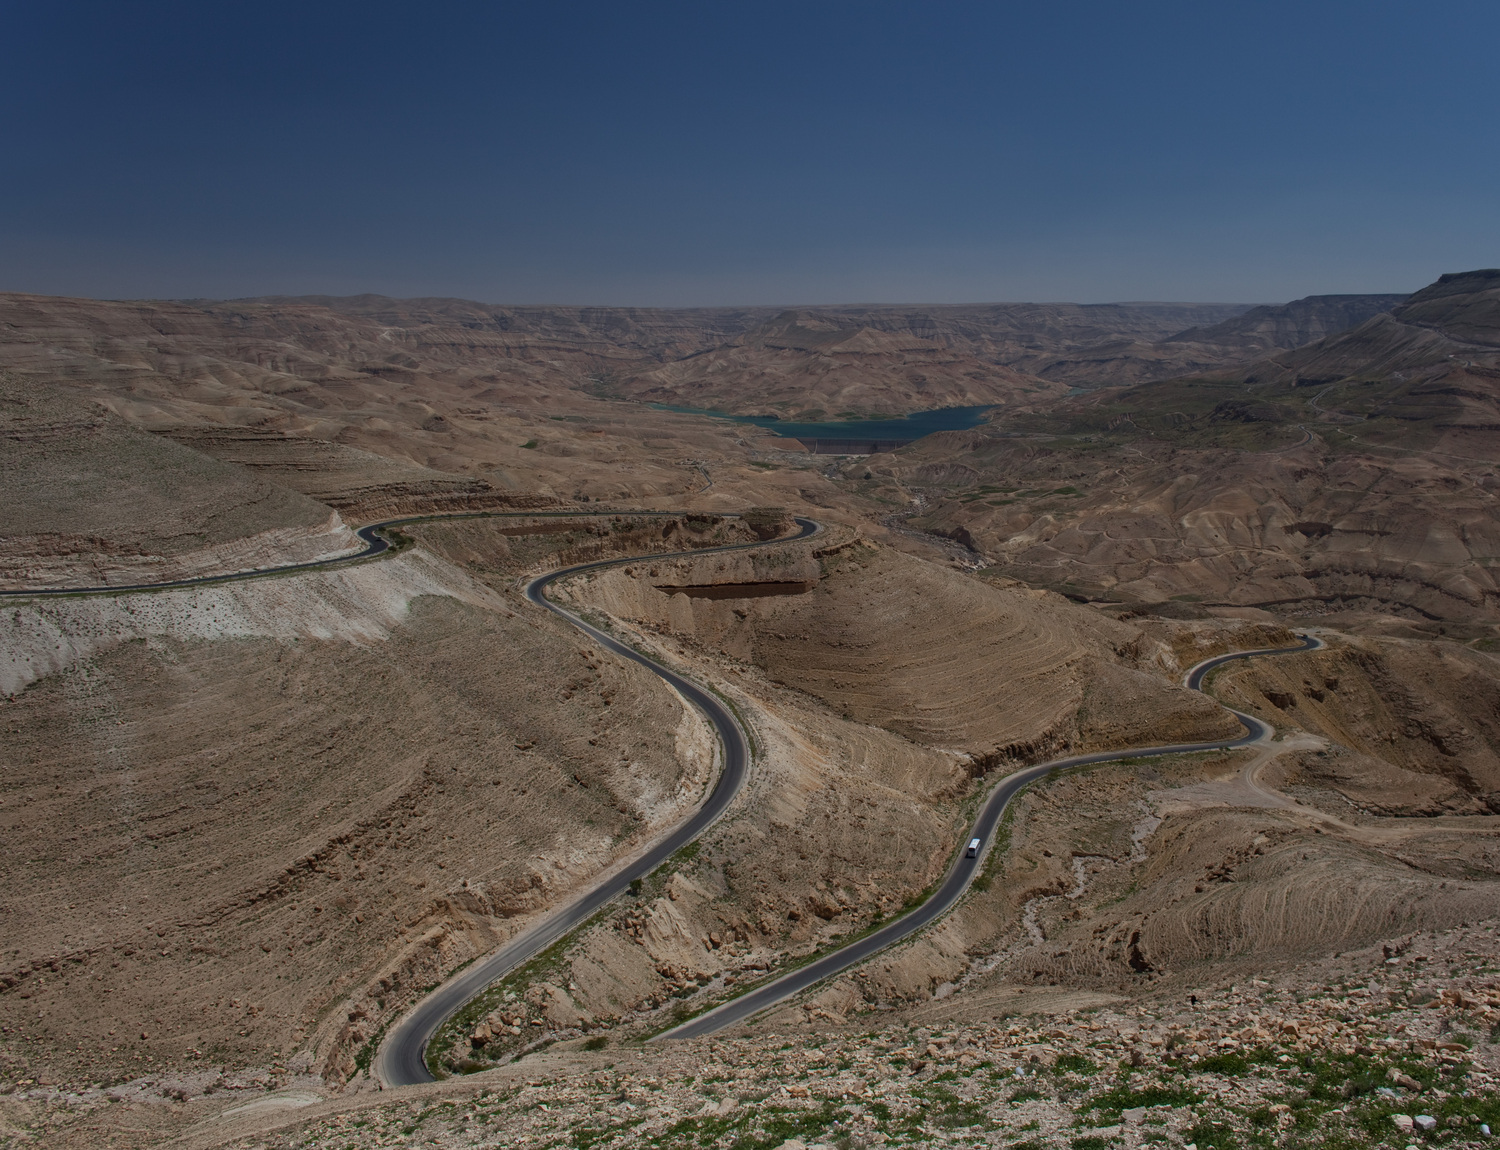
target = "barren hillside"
x: 249, y: 824
x: 91, y: 500
x: 1356, y: 475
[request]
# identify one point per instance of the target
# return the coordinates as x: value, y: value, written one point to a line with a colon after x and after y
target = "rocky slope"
x: 233, y: 810
x: 248, y: 824
x: 92, y: 500
x: 1390, y: 1045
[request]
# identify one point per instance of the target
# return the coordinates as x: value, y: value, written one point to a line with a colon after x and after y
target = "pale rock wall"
x: 359, y: 604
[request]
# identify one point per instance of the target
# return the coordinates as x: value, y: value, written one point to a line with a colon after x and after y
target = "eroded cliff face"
x: 1417, y: 723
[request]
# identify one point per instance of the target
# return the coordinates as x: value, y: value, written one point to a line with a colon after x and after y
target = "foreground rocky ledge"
x: 1393, y: 1046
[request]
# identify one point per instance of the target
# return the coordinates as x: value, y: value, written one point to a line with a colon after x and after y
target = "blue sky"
x: 717, y: 153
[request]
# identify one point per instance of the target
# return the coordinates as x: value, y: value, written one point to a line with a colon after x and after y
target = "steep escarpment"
x: 1292, y: 325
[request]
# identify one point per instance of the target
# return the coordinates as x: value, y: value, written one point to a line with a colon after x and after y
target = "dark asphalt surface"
x: 374, y: 545
x: 372, y: 535
x: 963, y: 870
x: 401, y: 1060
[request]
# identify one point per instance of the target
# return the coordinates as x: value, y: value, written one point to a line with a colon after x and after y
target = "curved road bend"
x: 375, y: 544
x: 401, y: 1059
x: 963, y: 870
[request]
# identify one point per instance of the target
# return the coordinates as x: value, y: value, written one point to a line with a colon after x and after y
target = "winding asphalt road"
x: 963, y: 869
x: 372, y: 535
x: 401, y: 1060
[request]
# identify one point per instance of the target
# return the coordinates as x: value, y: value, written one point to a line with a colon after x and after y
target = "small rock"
x: 1405, y: 1081
x: 793, y: 1144
x: 1484, y: 1128
x: 1133, y: 1116
x: 1426, y: 1123
x: 944, y: 990
x: 1402, y: 1122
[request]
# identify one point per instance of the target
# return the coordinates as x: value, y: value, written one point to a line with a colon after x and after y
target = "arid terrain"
x: 249, y: 823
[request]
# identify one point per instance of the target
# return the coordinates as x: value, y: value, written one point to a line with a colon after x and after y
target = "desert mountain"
x: 89, y: 500
x: 1353, y: 474
x: 1443, y: 326
x: 1291, y: 325
x: 1246, y: 336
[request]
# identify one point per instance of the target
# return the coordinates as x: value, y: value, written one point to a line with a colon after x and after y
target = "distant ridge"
x: 1281, y: 327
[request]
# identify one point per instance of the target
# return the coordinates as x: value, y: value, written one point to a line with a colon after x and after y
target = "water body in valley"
x: 858, y: 436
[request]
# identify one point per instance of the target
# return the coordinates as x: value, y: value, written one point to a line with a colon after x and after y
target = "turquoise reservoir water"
x: 905, y: 429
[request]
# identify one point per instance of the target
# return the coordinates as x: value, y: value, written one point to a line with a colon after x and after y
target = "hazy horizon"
x: 677, y: 156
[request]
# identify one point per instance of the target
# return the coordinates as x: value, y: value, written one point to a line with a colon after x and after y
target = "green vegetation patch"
x: 751, y: 1127
x: 1122, y: 1096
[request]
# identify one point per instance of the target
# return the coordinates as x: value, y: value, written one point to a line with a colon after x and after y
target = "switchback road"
x: 961, y: 873
x: 401, y: 1060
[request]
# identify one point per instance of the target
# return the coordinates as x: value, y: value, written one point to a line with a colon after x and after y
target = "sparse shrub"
x: 598, y: 1042
x: 956, y: 1114
x: 1228, y: 1064
x: 1122, y: 1097
x: 1073, y: 1064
